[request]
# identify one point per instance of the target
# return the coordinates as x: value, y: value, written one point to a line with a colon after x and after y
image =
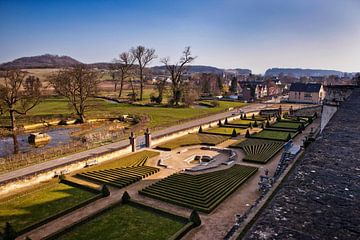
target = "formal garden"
x: 193, y: 139
x: 123, y: 171
x: 32, y: 206
x: 129, y: 222
x: 203, y: 192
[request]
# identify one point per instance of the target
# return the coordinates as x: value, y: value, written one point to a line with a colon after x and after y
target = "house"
x: 306, y: 93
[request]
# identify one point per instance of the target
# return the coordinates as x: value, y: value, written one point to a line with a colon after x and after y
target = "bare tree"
x: 176, y: 72
x: 18, y: 94
x: 78, y: 85
x: 143, y: 57
x: 113, y: 74
x: 125, y: 65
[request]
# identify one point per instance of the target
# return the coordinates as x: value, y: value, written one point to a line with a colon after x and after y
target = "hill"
x: 42, y: 61
x: 207, y: 69
x: 299, y: 72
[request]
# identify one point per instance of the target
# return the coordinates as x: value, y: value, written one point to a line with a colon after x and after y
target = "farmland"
x: 202, y: 192
x: 193, y: 139
x: 26, y: 208
x: 126, y: 222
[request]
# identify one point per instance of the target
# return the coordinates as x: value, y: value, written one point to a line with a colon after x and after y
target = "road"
x: 10, y: 176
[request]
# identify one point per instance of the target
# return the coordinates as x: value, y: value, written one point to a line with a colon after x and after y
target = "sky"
x: 254, y: 34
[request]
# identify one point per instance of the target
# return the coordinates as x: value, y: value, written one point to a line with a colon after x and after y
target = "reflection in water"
x: 19, y: 143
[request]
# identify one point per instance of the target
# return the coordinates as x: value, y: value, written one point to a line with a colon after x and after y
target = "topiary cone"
x: 195, y: 218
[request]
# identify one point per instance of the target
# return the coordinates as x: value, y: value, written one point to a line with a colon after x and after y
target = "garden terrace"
x: 119, y: 177
x: 203, y: 192
x: 258, y: 150
x: 289, y: 125
x: 273, y: 135
x: 38, y: 203
x: 224, y: 131
x: 242, y: 122
x: 127, y: 222
x: 133, y: 160
x: 193, y: 139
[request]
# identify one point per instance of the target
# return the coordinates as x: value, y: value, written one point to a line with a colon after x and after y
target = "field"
x: 258, y: 150
x: 27, y: 208
x: 126, y: 222
x: 193, y: 139
x: 227, y: 131
x: 203, y: 192
x: 123, y: 171
x: 286, y: 125
x: 160, y: 116
x: 273, y: 135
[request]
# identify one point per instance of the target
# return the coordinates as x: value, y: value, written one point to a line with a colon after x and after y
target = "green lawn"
x: 286, y: 125
x: 126, y: 222
x: 225, y: 130
x: 159, y: 116
x: 274, y: 135
x: 29, y: 207
x: 193, y: 139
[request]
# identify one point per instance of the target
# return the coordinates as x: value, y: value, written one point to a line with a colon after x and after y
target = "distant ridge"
x: 209, y: 69
x: 299, y: 72
x: 42, y: 61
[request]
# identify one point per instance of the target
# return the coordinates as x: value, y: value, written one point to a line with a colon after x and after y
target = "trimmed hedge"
x: 202, y: 192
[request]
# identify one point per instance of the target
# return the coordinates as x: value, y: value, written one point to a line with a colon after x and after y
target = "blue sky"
x: 224, y: 33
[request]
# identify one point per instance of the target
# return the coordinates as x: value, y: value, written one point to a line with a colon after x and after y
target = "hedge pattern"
x: 203, y: 192
x: 119, y: 177
x: 258, y: 150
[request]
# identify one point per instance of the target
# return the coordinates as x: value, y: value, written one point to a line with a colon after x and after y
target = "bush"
x: 105, y: 191
x: 195, y: 218
x: 247, y: 135
x: 267, y: 123
x: 200, y: 129
x: 234, y: 134
x: 125, y: 197
x: 62, y: 177
x: 310, y: 120
x: 278, y: 118
x: 226, y: 121
x: 9, y: 232
x: 253, y: 116
x: 250, y: 126
x: 219, y: 124
x: 288, y: 138
x: 255, y: 124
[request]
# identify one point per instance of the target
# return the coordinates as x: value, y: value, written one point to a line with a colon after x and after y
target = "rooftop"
x: 305, y: 87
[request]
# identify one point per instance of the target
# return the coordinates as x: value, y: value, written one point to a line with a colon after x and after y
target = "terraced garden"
x: 225, y: 131
x: 203, y: 192
x: 193, y: 139
x: 258, y: 150
x: 26, y: 208
x: 290, y: 125
x: 122, y: 172
x: 119, y: 177
x: 273, y: 135
x: 126, y: 222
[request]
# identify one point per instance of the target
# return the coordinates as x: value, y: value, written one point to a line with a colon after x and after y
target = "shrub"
x: 255, y: 124
x: 247, y: 135
x: 244, y: 115
x: 288, y: 138
x: 200, y: 129
x: 310, y: 120
x: 219, y: 124
x: 250, y: 125
x: 226, y: 121
x: 267, y: 123
x: 253, y: 116
x: 125, y: 197
x: 105, y: 191
x: 9, y: 232
x: 62, y: 177
x: 278, y: 118
x: 234, y: 134
x: 195, y: 218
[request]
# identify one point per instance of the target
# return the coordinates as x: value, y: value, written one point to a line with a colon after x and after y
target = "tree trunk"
x: 121, y: 87
x: 15, y: 143
x: 82, y: 118
x: 141, y: 85
x: 12, y: 120
x: 115, y: 86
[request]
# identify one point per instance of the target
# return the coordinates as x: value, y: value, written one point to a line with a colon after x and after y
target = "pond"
x: 59, y: 136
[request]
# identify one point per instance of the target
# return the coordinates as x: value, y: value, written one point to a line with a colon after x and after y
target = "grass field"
x: 273, y: 135
x: 159, y: 116
x: 193, y: 139
x: 225, y: 130
x: 126, y: 222
x: 286, y: 125
x: 203, y: 192
x: 29, y: 207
